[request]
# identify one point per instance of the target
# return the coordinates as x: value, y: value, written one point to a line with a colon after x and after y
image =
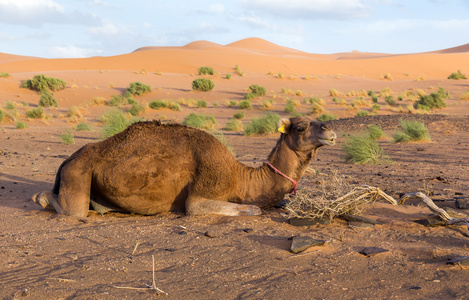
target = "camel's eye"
x: 300, y: 129
x: 323, y: 127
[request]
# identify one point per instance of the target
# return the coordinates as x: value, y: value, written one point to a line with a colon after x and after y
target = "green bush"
x: 228, y: 76
x: 231, y: 103
x: 21, y: 125
x: 115, y: 121
x: 457, y: 75
x: 363, y: 150
x: 136, y: 109
x: 234, y: 125
x: 201, y: 104
x: 200, y: 121
x: 47, y: 99
x: 265, y: 125
x: 362, y: 113
x: 375, y: 132
x: 35, y: 113
x: 432, y: 101
x: 2, y: 115
x: 9, y: 106
x: 158, y: 104
x: 137, y: 89
x: 389, y: 100
x: 257, y: 90
x: 205, y: 71
x: 327, y: 117
x: 4, y: 75
x: 239, y: 115
x: 371, y: 93
x: 116, y: 100
x: 374, y: 99
x: 42, y: 83
x: 245, y: 104
x: 202, y: 84
x: 290, y: 107
x: 412, y: 130
x: 83, y: 127
x: 67, y: 138
x: 249, y: 96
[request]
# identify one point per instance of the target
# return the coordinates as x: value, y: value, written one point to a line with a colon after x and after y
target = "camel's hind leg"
x: 74, y: 193
x: 201, y: 206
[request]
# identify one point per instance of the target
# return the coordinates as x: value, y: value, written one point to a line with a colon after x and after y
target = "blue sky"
x: 83, y: 28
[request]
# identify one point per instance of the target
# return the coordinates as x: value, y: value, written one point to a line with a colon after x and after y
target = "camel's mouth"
x: 329, y: 142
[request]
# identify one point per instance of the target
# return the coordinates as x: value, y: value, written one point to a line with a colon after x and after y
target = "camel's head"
x: 305, y: 134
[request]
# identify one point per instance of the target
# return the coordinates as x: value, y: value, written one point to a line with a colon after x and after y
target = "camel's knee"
x: 44, y: 199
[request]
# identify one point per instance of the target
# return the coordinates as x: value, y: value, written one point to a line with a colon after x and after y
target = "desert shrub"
x: 387, y: 76
x: 21, y: 125
x: 2, y: 115
x: 317, y: 109
x: 290, y: 107
x: 327, y: 117
x: 268, y: 103
x: 362, y: 113
x: 257, y: 90
x: 374, y: 99
x: 239, y: 72
x: 74, y: 112
x: 136, y: 109
x: 313, y: 100
x: 389, y: 100
x: 115, y: 121
x: 412, y: 130
x: 201, y: 104
x: 335, y: 93
x: 35, y: 113
x: 200, y: 121
x: 363, y: 150
x: 280, y: 75
x: 371, y: 93
x: 116, y: 100
x: 130, y: 101
x: 465, y: 96
x: 231, y: 103
x: 239, y: 115
x: 67, y: 138
x: 205, y: 71
x: 228, y: 76
x: 385, y: 92
x: 158, y: 104
x: 9, y: 106
x: 245, y: 104
x: 375, y: 132
x: 264, y: 125
x: 83, y: 127
x: 457, y: 75
x: 202, y: 84
x: 42, y: 83
x: 432, y: 101
x: 137, y: 89
x: 234, y: 125
x: 47, y: 99
x: 4, y: 75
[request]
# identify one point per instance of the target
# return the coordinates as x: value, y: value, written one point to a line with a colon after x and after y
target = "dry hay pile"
x: 335, y: 198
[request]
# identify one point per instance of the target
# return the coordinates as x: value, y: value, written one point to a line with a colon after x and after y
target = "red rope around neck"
x: 295, y: 183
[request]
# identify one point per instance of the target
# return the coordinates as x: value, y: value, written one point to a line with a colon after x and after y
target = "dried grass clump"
x: 334, y: 198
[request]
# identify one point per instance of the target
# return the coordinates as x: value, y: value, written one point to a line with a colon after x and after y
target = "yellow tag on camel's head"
x: 282, y: 128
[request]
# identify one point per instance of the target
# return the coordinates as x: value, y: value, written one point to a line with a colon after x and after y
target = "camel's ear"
x: 284, y: 125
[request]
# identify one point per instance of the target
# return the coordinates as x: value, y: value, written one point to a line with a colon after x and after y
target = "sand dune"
x: 253, y: 55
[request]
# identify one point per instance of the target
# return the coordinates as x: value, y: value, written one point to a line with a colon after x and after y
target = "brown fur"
x: 151, y: 168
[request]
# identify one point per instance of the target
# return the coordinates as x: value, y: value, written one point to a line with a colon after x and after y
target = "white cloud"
x: 71, y: 51
x: 107, y: 29
x: 310, y: 9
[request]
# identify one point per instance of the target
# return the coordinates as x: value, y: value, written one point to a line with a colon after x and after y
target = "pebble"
x: 372, y: 251
x: 210, y: 234
x: 301, y: 243
x: 462, y: 202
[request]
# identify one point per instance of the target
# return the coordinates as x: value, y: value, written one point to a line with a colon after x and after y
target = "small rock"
x: 248, y: 230
x: 182, y: 232
x: 25, y: 293
x: 372, y: 251
x: 353, y: 218
x: 301, y: 243
x: 308, y: 221
x: 462, y: 202
x: 415, y: 288
x: 170, y: 249
x: 361, y: 225
x: 211, y: 234
x: 458, y: 260
x: 431, y: 222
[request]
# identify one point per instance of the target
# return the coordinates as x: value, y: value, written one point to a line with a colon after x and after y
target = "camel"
x: 152, y: 168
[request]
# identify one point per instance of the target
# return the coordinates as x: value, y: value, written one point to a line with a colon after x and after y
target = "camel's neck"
x: 262, y: 186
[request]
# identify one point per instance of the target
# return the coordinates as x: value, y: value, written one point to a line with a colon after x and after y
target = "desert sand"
x: 44, y: 255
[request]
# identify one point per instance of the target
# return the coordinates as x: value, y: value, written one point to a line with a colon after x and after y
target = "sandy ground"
x: 44, y: 255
